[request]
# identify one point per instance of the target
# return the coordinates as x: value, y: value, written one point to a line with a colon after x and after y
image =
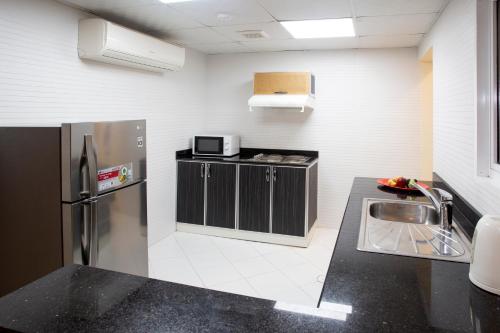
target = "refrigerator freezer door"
x: 100, y: 157
x: 109, y: 231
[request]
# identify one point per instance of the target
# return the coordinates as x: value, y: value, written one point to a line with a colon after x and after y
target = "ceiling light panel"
x: 330, y: 28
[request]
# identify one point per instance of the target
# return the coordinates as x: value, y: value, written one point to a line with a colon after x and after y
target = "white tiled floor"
x: 276, y: 272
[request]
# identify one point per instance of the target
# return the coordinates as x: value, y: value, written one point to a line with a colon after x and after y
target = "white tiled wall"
x: 42, y: 81
x: 453, y: 41
x: 366, y: 123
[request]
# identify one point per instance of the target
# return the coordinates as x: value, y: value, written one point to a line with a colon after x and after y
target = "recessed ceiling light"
x: 173, y: 1
x: 320, y: 28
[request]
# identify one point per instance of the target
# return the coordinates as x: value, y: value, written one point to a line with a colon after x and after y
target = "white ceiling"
x: 195, y: 24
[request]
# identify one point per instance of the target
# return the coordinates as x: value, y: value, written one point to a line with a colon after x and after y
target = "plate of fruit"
x: 400, y: 183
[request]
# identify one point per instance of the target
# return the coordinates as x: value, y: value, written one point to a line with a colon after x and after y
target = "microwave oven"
x: 216, y: 145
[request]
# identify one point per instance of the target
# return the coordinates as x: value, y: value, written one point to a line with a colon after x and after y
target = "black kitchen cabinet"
x: 289, y: 197
x: 221, y: 195
x: 254, y: 197
x: 270, y: 199
x: 190, y: 192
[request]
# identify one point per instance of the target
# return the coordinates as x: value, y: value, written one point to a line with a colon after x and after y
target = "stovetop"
x: 278, y: 158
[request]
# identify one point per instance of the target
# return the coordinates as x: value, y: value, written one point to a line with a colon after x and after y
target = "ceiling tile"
x: 108, y: 4
x: 198, y: 35
x: 329, y: 43
x: 307, y: 9
x: 379, y: 23
x: 389, y: 41
x: 390, y: 25
x: 302, y: 44
x: 156, y: 18
x: 397, y: 7
x: 239, y: 11
x: 274, y: 45
x: 273, y: 29
x: 218, y: 48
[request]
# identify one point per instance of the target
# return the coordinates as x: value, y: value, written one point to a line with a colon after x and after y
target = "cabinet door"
x: 221, y: 195
x: 190, y: 192
x: 289, y: 195
x: 254, y: 197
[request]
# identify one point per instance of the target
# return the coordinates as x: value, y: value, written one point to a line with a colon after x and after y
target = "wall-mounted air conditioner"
x: 105, y: 41
x: 284, y: 90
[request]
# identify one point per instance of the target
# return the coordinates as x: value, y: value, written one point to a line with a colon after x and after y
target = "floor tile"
x: 218, y: 273
x: 240, y: 252
x: 284, y: 259
x: 193, y: 243
x: 266, y: 248
x: 166, y: 248
x: 276, y: 286
x: 240, y: 287
x: 277, y: 272
x: 302, y: 274
x: 174, y: 270
x: 253, y: 266
x: 313, y: 289
x: 317, y: 255
x: 222, y: 242
x: 325, y: 237
x: 208, y: 258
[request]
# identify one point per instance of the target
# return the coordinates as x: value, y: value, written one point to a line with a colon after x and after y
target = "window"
x: 496, y: 118
x: 488, y: 88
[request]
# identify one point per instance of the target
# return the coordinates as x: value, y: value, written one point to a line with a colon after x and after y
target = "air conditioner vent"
x: 253, y: 34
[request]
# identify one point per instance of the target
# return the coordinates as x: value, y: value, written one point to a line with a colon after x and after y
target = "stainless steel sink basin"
x: 404, y: 212
x: 409, y: 229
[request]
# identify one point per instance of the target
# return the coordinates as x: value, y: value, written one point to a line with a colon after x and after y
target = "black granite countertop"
x: 246, y: 154
x: 390, y: 293
x: 363, y: 292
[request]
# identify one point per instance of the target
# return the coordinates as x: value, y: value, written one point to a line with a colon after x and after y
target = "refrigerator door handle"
x: 85, y: 233
x: 89, y: 176
x: 89, y: 233
x: 94, y: 249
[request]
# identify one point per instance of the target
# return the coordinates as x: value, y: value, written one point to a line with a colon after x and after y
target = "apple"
x: 401, y: 182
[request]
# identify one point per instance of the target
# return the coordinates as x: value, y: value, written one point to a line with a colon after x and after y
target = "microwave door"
x: 209, y: 145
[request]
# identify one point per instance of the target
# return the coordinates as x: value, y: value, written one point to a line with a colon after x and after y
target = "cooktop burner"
x: 276, y: 158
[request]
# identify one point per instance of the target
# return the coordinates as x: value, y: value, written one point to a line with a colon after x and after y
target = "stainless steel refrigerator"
x: 103, y: 179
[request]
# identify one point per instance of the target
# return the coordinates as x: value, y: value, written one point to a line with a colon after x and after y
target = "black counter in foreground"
x: 85, y: 299
x: 363, y: 292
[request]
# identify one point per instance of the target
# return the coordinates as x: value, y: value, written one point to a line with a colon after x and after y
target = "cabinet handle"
x: 274, y: 174
x: 267, y: 174
x: 208, y: 170
x: 202, y: 170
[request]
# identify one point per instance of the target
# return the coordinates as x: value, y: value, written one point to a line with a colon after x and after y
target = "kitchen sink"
x: 404, y: 212
x: 411, y: 229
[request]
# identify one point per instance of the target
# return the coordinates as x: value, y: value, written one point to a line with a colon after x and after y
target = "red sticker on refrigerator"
x: 114, y: 176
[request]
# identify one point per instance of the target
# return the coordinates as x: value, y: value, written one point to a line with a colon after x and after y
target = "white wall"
x: 366, y: 123
x: 453, y: 39
x: 42, y: 81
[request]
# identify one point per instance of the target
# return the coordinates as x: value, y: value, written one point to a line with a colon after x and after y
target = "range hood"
x: 283, y: 90
x: 284, y: 101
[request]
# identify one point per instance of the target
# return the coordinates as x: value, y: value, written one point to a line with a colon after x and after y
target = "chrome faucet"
x: 442, y: 202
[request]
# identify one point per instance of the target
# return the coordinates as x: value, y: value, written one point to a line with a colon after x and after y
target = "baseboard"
x: 248, y: 235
